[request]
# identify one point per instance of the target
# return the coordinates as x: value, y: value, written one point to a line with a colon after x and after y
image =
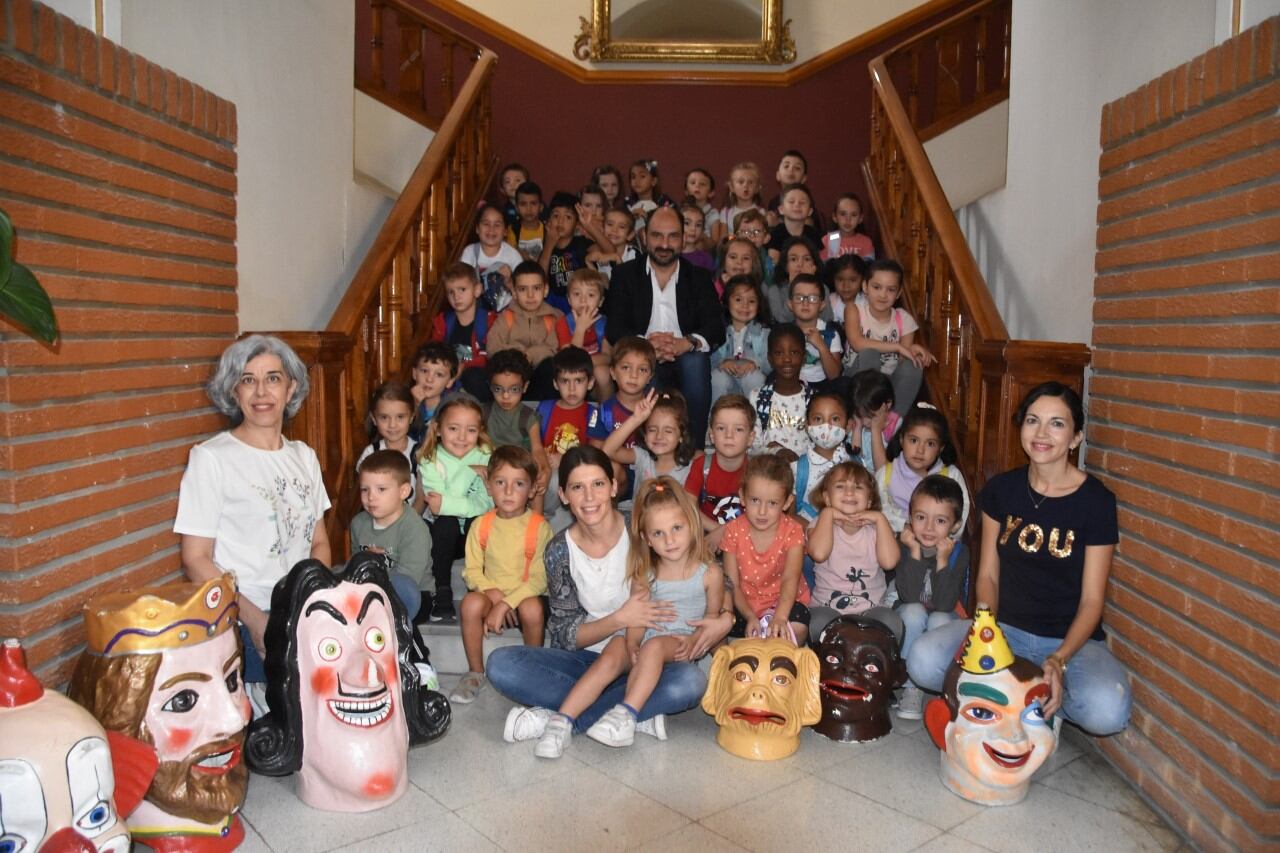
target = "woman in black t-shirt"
x: 1048, y: 533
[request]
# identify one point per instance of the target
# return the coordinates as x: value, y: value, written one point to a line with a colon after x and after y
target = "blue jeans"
x: 1096, y: 696
x: 691, y: 374
x: 543, y: 677
x: 407, y: 591
x: 253, y: 670
x: 916, y: 620
x: 722, y: 383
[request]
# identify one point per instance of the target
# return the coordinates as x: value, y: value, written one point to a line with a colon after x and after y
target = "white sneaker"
x: 468, y: 687
x: 911, y: 705
x: 555, y: 737
x: 654, y: 726
x: 616, y: 728
x: 525, y: 724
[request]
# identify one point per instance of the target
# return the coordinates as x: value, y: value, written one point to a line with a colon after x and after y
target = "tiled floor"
x: 471, y: 791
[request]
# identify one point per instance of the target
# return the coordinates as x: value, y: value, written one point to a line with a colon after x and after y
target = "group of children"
x: 825, y: 489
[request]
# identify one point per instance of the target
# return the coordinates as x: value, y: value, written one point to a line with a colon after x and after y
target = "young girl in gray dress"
x: 668, y: 558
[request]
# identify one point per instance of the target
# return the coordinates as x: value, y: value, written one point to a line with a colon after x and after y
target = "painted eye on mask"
x: 979, y: 714
x: 329, y: 649
x: 871, y: 668
x: 181, y: 702
x: 375, y: 640
x: 97, y: 817
x: 1034, y: 715
x: 833, y: 660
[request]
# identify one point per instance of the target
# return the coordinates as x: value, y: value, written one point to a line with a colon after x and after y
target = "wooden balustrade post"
x: 375, y: 46
x: 446, y: 74
x: 1009, y: 369
x: 410, y: 64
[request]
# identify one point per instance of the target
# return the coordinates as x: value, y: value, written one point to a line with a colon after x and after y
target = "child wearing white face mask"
x: 826, y: 422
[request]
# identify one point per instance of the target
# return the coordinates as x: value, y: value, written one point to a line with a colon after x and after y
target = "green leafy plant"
x: 22, y: 299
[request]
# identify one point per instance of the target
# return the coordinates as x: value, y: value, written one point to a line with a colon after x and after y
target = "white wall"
x: 969, y: 159
x: 303, y: 224
x: 1035, y: 239
x: 84, y: 13
x: 816, y: 25
x: 1252, y: 13
x: 388, y: 146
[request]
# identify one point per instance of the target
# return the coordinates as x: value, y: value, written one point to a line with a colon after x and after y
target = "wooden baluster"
x: 455, y: 188
x: 1004, y: 39
x: 376, y: 67
x: 411, y: 61
x: 980, y: 56
x: 433, y: 210
x: 913, y: 86
x: 446, y: 74
x: 421, y: 299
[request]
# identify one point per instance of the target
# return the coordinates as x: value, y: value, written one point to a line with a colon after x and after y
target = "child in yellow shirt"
x: 504, y: 572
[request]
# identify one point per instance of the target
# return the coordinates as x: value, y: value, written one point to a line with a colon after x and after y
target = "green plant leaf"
x: 6, y: 247
x: 25, y: 302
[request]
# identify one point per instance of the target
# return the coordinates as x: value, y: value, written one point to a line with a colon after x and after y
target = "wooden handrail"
x: 416, y: 72
x: 949, y: 73
x: 385, y: 312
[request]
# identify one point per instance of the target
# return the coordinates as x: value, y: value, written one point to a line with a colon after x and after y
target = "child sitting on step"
x: 504, y: 571
x: 782, y: 404
x: 529, y: 325
x: 465, y: 324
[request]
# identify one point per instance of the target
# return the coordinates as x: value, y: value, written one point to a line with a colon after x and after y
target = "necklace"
x: 1032, y: 495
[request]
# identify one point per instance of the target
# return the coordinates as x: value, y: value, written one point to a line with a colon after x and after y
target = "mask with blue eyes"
x: 57, y: 779
x: 990, y: 722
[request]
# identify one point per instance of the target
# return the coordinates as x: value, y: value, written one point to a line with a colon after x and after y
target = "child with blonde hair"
x: 452, y: 464
x: 669, y: 557
x: 764, y: 556
x: 742, y: 193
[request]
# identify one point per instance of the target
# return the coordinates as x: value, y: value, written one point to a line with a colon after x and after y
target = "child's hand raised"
x: 867, y: 517
x: 909, y: 540
x: 945, y: 546
x: 585, y: 217
x: 644, y: 408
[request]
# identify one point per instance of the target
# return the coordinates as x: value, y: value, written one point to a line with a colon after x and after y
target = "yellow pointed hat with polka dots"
x: 985, y: 649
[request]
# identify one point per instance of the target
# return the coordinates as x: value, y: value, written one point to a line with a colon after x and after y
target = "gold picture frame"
x: 774, y: 46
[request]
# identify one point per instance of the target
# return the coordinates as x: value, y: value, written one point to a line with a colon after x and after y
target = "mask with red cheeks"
x: 355, y: 738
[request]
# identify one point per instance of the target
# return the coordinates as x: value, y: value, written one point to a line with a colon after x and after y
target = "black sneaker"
x: 424, y: 610
x: 442, y: 608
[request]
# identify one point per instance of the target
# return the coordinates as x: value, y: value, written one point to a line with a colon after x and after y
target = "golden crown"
x: 985, y: 649
x: 162, y: 617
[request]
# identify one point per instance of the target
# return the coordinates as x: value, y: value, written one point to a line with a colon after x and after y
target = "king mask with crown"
x: 988, y: 721
x: 162, y: 672
x: 57, y: 785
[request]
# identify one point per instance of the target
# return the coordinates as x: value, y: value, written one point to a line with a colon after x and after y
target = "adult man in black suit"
x: 674, y: 305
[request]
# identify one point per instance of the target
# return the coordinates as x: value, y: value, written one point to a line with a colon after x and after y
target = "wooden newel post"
x: 322, y: 421
x: 1009, y: 370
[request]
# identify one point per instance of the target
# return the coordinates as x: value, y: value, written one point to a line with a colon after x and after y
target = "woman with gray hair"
x: 252, y: 502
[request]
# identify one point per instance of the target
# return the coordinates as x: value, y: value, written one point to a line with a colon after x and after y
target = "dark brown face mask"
x: 860, y: 669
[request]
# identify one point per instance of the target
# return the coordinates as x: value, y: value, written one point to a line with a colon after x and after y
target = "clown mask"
x: 761, y: 693
x: 354, y: 733
x: 860, y: 669
x: 57, y: 785
x: 988, y: 721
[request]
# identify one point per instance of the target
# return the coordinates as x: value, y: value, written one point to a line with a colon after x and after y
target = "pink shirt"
x: 850, y: 580
x: 760, y: 572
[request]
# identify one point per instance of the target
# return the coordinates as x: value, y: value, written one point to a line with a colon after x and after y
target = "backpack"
x: 547, y: 320
x: 764, y: 403
x: 479, y: 331
x: 484, y: 525
x: 593, y: 416
x: 599, y: 327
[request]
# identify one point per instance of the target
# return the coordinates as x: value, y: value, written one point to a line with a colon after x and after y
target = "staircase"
x: 925, y: 86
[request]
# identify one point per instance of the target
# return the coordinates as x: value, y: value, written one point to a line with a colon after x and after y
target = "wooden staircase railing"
x: 412, y: 63
x: 949, y: 73
x: 386, y: 311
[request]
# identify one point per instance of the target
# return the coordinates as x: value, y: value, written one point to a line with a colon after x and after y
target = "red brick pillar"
x: 1184, y: 430
x: 120, y: 178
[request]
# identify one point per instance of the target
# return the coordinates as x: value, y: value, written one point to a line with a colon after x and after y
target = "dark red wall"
x: 561, y: 129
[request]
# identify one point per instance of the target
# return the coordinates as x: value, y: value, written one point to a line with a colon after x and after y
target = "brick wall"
x: 1184, y: 429
x: 120, y: 178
